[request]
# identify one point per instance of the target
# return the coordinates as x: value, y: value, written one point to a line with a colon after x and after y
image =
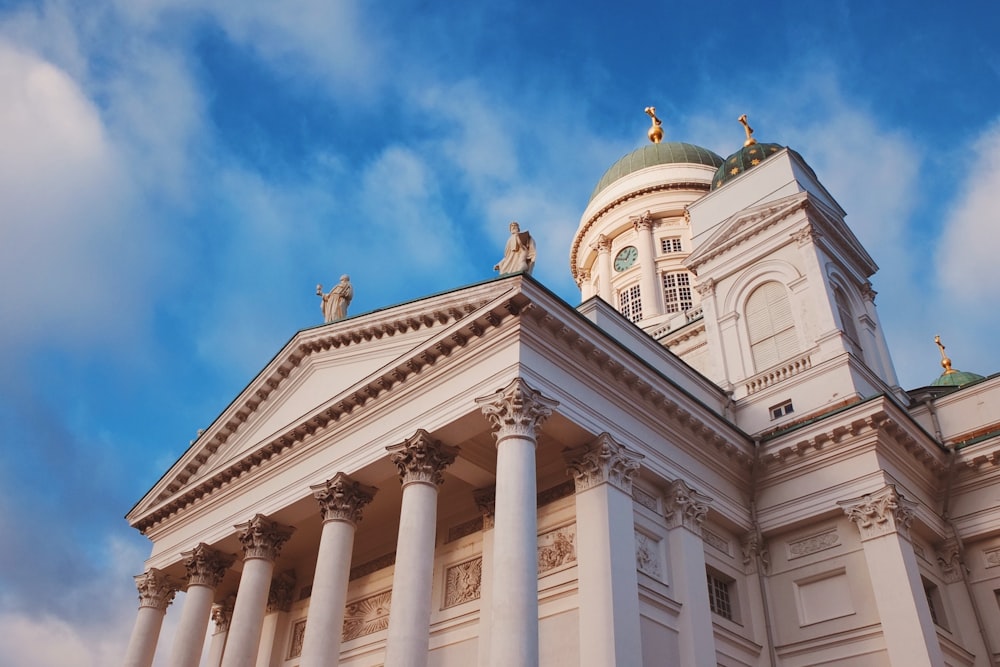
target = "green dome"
x: 668, y: 152
x: 956, y: 379
x: 742, y: 160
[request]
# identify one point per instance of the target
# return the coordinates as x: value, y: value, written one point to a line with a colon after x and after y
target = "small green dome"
x: 956, y: 379
x: 743, y: 160
x: 668, y: 152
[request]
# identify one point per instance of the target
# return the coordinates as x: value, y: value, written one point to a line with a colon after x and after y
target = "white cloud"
x: 70, y: 252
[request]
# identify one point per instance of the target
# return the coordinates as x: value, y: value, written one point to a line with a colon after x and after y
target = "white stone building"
x: 708, y: 462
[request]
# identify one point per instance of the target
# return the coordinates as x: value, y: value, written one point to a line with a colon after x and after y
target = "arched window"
x: 770, y: 325
x: 846, y: 318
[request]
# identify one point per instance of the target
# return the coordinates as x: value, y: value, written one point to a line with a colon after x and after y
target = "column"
x: 222, y: 614
x: 883, y: 519
x: 685, y: 511
x: 516, y: 413
x: 279, y: 603
x: 606, y: 561
x: 420, y: 461
x: 156, y: 592
x: 486, y: 502
x: 650, y: 290
x: 205, y: 568
x: 604, y: 272
x: 262, y: 540
x: 340, y: 500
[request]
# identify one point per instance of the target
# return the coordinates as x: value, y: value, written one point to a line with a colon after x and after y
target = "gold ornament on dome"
x: 655, y: 132
x: 945, y: 361
x: 749, y: 130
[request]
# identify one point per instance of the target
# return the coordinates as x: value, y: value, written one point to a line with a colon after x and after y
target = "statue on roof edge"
x: 519, y: 253
x: 334, y: 304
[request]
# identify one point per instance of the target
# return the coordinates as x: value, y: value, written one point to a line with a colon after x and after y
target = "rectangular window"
x: 630, y: 303
x: 677, y: 292
x: 719, y: 597
x: 671, y: 244
x: 780, y: 410
x: 934, y: 603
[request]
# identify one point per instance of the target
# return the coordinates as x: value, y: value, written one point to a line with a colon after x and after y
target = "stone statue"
x: 519, y: 255
x: 334, y: 305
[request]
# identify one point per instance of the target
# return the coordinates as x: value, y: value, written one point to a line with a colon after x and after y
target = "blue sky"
x: 176, y: 177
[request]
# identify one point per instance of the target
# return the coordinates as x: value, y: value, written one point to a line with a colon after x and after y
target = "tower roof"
x: 669, y: 152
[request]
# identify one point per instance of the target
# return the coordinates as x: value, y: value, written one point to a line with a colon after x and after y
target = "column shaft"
x: 145, y: 634
x: 216, y: 648
x: 321, y: 645
x: 193, y: 626
x: 649, y: 291
x: 248, y: 614
x: 515, y: 556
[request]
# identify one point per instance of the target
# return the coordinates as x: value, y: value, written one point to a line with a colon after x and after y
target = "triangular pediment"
x: 743, y: 226
x: 325, y: 372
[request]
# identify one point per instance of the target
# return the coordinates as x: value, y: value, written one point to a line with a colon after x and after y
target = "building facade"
x: 708, y: 462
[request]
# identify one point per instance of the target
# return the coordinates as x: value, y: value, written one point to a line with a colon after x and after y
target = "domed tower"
x: 634, y: 234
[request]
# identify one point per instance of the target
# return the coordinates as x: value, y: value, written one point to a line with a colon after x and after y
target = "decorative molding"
x: 206, y: 566
x: 486, y: 501
x: 806, y: 235
x: 156, y: 589
x: 374, y: 565
x: 222, y: 614
x: 647, y: 500
x: 716, y: 541
x: 775, y: 375
x: 642, y: 223
x: 421, y: 459
x: 880, y: 513
x: 811, y: 544
x: 263, y: 538
x: 647, y: 555
x: 556, y: 548
x: 754, y: 550
x: 367, y: 615
x: 517, y: 410
x: 603, y: 461
x: 296, y: 639
x: 949, y: 559
x: 554, y: 493
x: 342, y: 499
x: 991, y: 557
x: 683, y: 506
x: 279, y: 596
x: 463, y: 582
x: 466, y: 528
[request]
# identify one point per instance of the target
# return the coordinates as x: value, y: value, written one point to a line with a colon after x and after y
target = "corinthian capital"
x: 155, y: 588
x: 642, y: 222
x: 602, y: 244
x: 206, y: 566
x: 279, y: 596
x: 263, y: 538
x: 222, y: 614
x: 341, y: 498
x: 516, y: 410
x: 685, y: 507
x: 422, y: 458
x: 603, y: 461
x: 880, y: 513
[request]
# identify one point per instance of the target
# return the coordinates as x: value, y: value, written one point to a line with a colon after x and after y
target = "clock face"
x: 625, y: 258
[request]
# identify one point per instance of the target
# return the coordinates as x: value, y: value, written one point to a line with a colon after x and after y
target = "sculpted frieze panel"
x: 556, y: 548
x: 463, y: 582
x: 813, y: 544
x: 367, y: 615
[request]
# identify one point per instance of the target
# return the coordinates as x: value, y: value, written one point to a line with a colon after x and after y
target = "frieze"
x: 463, y: 582
x: 647, y: 500
x: 374, y: 565
x: 556, y: 548
x: 716, y: 541
x: 992, y: 557
x: 465, y: 528
x: 813, y: 544
x: 367, y: 615
x: 647, y: 555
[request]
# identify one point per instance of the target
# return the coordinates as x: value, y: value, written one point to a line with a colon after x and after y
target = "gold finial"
x: 749, y: 130
x: 945, y: 361
x: 656, y: 131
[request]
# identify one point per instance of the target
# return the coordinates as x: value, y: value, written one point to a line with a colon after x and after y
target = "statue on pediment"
x: 336, y: 301
x: 519, y: 254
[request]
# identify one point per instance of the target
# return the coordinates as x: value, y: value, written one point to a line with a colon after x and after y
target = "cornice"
x: 843, y: 426
x: 585, y: 227
x: 477, y: 319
